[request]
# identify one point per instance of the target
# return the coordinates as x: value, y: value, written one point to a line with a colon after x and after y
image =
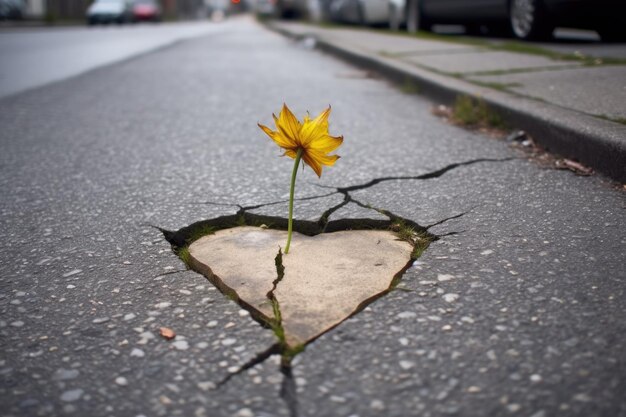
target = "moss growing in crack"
x: 291, y: 352
x: 621, y: 120
x: 184, y: 255
x: 420, y: 244
x: 474, y: 112
x: 496, y: 86
x: 410, y: 87
x: 199, y: 232
x: 241, y: 220
x: 419, y: 239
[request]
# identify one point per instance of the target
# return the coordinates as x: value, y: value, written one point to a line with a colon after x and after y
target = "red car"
x: 146, y: 11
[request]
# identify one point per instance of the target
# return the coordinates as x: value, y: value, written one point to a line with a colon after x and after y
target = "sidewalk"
x: 572, y: 104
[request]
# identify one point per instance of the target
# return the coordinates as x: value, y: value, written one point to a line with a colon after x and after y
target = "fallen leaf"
x: 574, y: 166
x: 167, y: 333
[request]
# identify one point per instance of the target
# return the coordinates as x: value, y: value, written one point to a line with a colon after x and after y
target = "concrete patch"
x: 570, y: 88
x: 327, y: 277
x: 466, y: 63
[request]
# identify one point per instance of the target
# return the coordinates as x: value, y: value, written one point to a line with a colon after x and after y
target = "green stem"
x: 291, y: 192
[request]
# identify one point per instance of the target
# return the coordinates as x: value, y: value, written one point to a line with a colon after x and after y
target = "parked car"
x: 109, y: 11
x: 397, y: 14
x: 146, y: 11
x: 290, y: 9
x: 526, y: 19
x: 12, y: 9
x: 362, y: 12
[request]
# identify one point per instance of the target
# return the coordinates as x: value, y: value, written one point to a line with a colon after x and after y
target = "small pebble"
x: 72, y: 395
x: 205, y: 386
x: 137, y: 353
x: 121, y: 381
x: 181, y: 345
x: 229, y: 341
x: 450, y: 297
x: 377, y: 405
x: 65, y: 374
x: 71, y: 273
x: 244, y: 412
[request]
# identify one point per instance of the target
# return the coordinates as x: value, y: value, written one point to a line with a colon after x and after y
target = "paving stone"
x: 471, y: 62
x: 326, y: 277
x: 570, y: 88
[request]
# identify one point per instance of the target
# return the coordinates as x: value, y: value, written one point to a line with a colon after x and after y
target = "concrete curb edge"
x: 594, y: 142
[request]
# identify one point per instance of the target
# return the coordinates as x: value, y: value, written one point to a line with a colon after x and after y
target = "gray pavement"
x: 518, y: 309
x: 574, y: 105
x: 38, y: 56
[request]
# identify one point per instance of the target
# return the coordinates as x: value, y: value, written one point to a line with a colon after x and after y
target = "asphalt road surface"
x: 35, y: 57
x: 518, y: 309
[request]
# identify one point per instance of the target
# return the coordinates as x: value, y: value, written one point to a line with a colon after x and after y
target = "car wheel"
x: 529, y: 20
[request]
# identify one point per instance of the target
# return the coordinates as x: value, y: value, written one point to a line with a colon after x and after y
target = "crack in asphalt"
x: 456, y: 216
x: 345, y: 191
x: 288, y: 390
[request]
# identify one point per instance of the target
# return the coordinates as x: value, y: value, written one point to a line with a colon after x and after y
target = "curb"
x: 597, y: 143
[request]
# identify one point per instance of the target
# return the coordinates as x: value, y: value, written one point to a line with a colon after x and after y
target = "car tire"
x: 529, y: 20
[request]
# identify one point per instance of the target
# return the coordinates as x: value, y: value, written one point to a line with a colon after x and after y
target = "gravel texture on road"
x: 518, y: 309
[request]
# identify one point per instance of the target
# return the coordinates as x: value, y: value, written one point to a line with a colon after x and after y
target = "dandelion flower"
x: 309, y: 141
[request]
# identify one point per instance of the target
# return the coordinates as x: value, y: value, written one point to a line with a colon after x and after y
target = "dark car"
x: 526, y: 19
x: 108, y: 11
x: 12, y: 9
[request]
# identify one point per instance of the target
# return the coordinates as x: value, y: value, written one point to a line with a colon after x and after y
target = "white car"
x: 397, y: 13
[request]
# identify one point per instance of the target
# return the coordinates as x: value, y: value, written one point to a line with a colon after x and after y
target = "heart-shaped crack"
x: 332, y: 271
x: 323, y: 280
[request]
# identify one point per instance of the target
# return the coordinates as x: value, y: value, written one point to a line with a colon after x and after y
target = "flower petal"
x: 290, y: 153
x: 328, y: 160
x: 288, y: 124
x: 313, y: 163
x: 313, y: 129
x: 326, y: 144
x: 280, y: 139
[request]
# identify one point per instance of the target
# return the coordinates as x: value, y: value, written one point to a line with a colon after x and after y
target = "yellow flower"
x: 310, y: 137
